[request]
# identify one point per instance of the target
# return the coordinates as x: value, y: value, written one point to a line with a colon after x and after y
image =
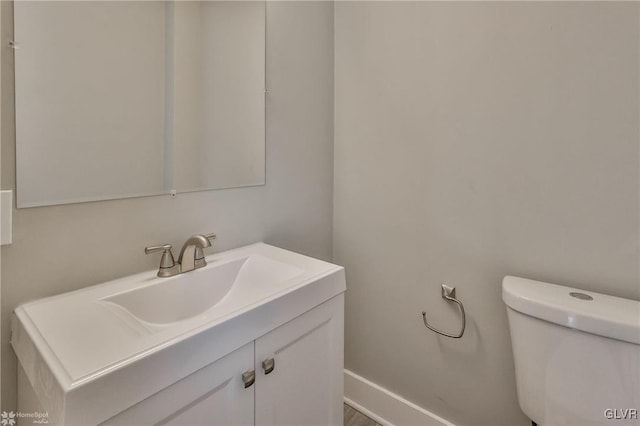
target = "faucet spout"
x: 191, y: 255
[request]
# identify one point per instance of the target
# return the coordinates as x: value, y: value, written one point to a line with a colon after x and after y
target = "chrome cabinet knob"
x: 268, y: 365
x: 248, y: 378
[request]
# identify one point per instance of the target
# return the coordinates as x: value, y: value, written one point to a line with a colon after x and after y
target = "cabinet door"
x: 305, y: 386
x: 213, y: 395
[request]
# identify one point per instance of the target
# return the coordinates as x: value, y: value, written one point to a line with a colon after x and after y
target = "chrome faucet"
x: 191, y: 256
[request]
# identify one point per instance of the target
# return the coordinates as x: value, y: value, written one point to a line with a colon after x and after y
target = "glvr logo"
x: 621, y: 413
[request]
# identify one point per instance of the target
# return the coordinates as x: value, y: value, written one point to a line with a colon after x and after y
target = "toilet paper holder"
x: 449, y: 294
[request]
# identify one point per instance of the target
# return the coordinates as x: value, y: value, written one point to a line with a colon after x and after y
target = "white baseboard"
x: 385, y: 407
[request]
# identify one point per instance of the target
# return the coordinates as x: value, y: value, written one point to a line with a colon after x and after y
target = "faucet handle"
x: 154, y: 249
x: 168, y: 265
x: 210, y: 237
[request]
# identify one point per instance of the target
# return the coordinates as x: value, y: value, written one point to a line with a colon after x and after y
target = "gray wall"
x: 58, y: 249
x: 472, y: 141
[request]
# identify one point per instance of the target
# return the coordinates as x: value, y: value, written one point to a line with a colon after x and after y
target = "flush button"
x: 581, y: 296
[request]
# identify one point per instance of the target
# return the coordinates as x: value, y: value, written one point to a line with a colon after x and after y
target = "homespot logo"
x: 621, y: 413
x: 9, y: 418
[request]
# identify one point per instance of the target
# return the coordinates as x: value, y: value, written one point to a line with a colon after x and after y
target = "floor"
x: 353, y: 417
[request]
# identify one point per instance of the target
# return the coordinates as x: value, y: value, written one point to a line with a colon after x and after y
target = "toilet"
x: 576, y: 354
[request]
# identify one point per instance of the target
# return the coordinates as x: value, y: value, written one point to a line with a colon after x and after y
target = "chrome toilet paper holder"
x: 449, y: 294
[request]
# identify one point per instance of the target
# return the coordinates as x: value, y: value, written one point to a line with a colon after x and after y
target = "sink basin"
x: 185, y: 296
x: 175, y: 300
x: 124, y: 340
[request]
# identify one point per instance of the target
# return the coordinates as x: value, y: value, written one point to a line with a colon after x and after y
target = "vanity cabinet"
x: 298, y: 371
x: 114, y: 353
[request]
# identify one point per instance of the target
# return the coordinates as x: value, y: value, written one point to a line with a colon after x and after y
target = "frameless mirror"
x: 119, y: 99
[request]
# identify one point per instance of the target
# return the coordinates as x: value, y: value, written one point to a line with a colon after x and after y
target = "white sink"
x: 169, y: 300
x: 124, y: 340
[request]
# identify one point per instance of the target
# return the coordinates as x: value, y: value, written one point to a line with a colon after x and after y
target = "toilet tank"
x: 576, y: 354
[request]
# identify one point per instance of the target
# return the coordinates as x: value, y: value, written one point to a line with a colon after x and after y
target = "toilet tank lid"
x: 607, y: 316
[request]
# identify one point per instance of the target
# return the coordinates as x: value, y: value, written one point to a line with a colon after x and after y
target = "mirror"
x: 132, y: 98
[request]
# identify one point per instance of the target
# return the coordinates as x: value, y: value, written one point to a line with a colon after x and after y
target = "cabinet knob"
x: 268, y: 365
x: 249, y: 377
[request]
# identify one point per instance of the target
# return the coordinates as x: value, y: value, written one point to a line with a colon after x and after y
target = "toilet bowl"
x: 576, y: 354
